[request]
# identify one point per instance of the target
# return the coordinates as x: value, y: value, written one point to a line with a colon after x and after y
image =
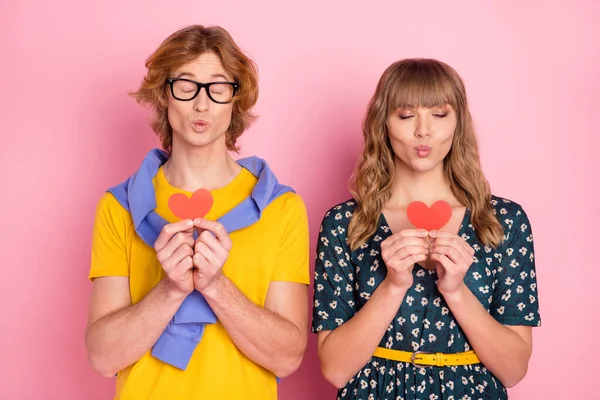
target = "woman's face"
x: 421, y: 137
x: 200, y: 122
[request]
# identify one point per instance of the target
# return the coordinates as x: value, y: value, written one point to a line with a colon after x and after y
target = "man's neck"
x: 209, y: 167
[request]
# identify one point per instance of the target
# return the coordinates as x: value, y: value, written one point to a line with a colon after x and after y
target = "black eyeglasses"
x: 185, y: 90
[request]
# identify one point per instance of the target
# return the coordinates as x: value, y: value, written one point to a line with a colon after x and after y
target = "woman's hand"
x: 453, y: 256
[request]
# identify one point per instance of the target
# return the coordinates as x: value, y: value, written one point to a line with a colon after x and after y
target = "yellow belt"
x: 423, y: 359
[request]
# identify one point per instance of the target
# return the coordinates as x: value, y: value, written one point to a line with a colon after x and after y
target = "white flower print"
x: 415, y: 332
x: 530, y: 317
x: 431, y: 338
x: 424, y: 301
x: 533, y: 286
x: 484, y: 289
x: 413, y: 318
x: 409, y: 300
x: 375, y: 266
x: 339, y: 321
x: 389, y: 343
x: 419, y: 288
x: 523, y: 227
x: 477, y: 275
x: 506, y: 295
x: 437, y: 302
x: 333, y: 304
x: 523, y: 275
x: 500, y: 310
x: 371, y: 282
x: 519, y: 289
x: 401, y: 320
x: 439, y: 325
x: 390, y: 387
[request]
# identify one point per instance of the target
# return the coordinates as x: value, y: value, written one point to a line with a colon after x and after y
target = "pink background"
x: 70, y: 131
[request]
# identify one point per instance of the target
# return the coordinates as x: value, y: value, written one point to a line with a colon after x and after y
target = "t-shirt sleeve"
x: 515, y: 298
x: 292, y: 264
x: 109, y: 254
x: 334, y: 296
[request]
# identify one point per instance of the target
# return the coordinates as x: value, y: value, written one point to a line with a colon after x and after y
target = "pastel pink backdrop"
x: 70, y: 131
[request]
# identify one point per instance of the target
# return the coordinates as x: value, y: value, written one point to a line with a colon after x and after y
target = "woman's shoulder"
x: 336, y: 220
x: 506, y: 208
x: 511, y: 215
x: 340, y: 214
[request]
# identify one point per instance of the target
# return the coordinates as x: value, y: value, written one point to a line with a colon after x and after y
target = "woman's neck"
x: 428, y: 186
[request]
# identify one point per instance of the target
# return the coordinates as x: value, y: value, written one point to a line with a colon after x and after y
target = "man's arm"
x: 274, y: 336
x: 119, y: 333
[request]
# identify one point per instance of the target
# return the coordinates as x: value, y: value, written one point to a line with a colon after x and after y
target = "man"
x: 199, y: 262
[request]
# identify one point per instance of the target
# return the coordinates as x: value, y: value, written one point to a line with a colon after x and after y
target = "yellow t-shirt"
x: 273, y: 249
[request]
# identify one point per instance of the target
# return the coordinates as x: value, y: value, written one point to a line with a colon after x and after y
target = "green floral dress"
x: 503, y: 279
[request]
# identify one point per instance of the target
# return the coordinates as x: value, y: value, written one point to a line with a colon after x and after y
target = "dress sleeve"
x: 515, y: 298
x: 334, y: 295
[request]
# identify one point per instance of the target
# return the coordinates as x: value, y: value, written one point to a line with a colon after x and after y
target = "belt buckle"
x: 413, y: 359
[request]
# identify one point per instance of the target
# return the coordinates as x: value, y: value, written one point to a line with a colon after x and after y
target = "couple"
x: 200, y: 263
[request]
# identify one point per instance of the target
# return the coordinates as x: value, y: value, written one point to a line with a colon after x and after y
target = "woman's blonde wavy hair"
x: 184, y: 46
x: 426, y: 83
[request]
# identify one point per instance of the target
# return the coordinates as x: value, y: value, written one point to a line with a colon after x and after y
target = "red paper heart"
x: 430, y: 219
x: 193, y: 207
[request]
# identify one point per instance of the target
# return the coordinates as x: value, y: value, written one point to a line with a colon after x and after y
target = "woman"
x: 199, y: 261
x: 402, y: 312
